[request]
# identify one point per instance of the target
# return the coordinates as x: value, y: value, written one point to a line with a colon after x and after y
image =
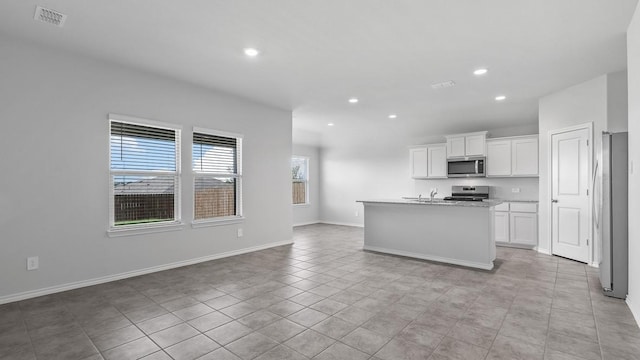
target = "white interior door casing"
x: 570, y: 210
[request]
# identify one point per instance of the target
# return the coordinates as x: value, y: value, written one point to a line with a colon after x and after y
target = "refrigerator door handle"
x: 596, y: 195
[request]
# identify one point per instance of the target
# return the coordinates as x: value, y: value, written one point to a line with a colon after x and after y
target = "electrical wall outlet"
x: 357, y: 213
x: 33, y: 263
x: 240, y: 232
x: 515, y: 190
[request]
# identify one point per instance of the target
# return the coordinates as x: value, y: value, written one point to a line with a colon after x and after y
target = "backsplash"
x: 501, y: 188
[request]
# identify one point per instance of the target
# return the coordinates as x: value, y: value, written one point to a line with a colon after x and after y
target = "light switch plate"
x: 33, y: 263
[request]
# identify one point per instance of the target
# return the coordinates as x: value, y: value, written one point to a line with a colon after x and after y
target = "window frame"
x: 144, y: 228
x: 220, y: 220
x: 307, y: 160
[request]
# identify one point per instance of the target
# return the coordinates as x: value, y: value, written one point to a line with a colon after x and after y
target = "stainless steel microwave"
x: 466, y: 167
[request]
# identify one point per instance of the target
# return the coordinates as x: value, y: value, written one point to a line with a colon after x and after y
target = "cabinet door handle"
x: 554, y: 200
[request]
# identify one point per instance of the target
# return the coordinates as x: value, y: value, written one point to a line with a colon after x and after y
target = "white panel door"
x: 499, y: 158
x: 524, y: 158
x: 474, y: 145
x: 418, y: 162
x: 501, y: 226
x: 455, y: 146
x: 524, y: 228
x: 569, y: 190
x: 437, y: 161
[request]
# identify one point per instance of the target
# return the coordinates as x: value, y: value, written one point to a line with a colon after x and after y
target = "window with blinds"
x: 300, y: 180
x: 145, y: 173
x: 217, y: 175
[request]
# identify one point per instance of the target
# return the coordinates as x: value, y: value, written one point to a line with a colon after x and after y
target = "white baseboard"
x: 104, y: 279
x: 635, y: 309
x: 543, y: 251
x: 431, y: 257
x: 307, y: 223
x: 341, y: 223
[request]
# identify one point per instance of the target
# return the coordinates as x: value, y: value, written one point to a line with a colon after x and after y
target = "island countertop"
x: 435, y: 202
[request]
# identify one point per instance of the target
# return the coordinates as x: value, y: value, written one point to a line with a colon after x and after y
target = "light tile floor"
x: 325, y: 298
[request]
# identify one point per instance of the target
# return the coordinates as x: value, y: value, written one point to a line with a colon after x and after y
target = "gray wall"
x: 54, y: 189
x: 633, y: 53
x: 309, y: 213
x: 597, y: 101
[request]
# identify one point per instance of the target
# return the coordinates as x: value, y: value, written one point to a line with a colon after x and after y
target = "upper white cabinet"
x: 455, y: 146
x: 475, y: 144
x: 437, y: 161
x: 418, y: 162
x: 517, y: 156
x: 498, y: 157
x: 524, y: 156
x: 471, y: 144
x: 428, y: 162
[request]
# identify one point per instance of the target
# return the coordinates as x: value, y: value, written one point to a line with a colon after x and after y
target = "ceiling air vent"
x: 443, y: 85
x: 50, y: 16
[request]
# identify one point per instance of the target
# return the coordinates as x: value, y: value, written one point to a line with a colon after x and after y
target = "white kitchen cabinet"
x: 474, y: 145
x: 512, y: 157
x: 437, y: 161
x: 501, y: 223
x: 418, y: 162
x: 523, y: 229
x: 471, y: 144
x: 516, y: 224
x: 498, y: 157
x: 455, y: 146
x: 524, y: 156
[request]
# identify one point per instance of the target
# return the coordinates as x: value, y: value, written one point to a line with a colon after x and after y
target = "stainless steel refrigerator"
x: 611, y: 214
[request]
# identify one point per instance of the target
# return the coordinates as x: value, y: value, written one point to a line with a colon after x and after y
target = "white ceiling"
x: 317, y: 54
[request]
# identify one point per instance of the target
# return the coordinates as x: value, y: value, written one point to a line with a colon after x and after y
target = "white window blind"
x: 217, y: 175
x: 144, y: 167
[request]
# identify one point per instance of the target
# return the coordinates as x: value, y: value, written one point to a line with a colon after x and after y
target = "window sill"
x: 131, y: 231
x: 302, y: 205
x: 217, y: 222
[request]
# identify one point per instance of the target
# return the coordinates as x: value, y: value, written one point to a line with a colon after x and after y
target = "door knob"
x: 554, y: 200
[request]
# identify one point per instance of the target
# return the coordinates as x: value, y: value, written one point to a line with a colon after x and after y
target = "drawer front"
x: 502, y: 207
x: 524, y: 207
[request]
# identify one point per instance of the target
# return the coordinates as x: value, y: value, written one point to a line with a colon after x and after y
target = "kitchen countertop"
x: 521, y: 201
x: 436, y: 202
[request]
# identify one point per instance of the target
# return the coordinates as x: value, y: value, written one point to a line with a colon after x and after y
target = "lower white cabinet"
x: 523, y: 228
x: 516, y: 224
x: 501, y: 220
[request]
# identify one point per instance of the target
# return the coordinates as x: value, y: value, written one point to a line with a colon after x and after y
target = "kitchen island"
x: 453, y: 232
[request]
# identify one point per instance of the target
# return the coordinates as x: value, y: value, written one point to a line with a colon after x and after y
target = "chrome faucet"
x: 419, y: 197
x: 433, y: 193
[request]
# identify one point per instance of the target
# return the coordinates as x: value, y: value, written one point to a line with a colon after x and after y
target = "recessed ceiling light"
x: 353, y: 100
x: 480, y: 71
x: 251, y: 52
x: 500, y: 97
x: 330, y: 124
x: 393, y: 116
